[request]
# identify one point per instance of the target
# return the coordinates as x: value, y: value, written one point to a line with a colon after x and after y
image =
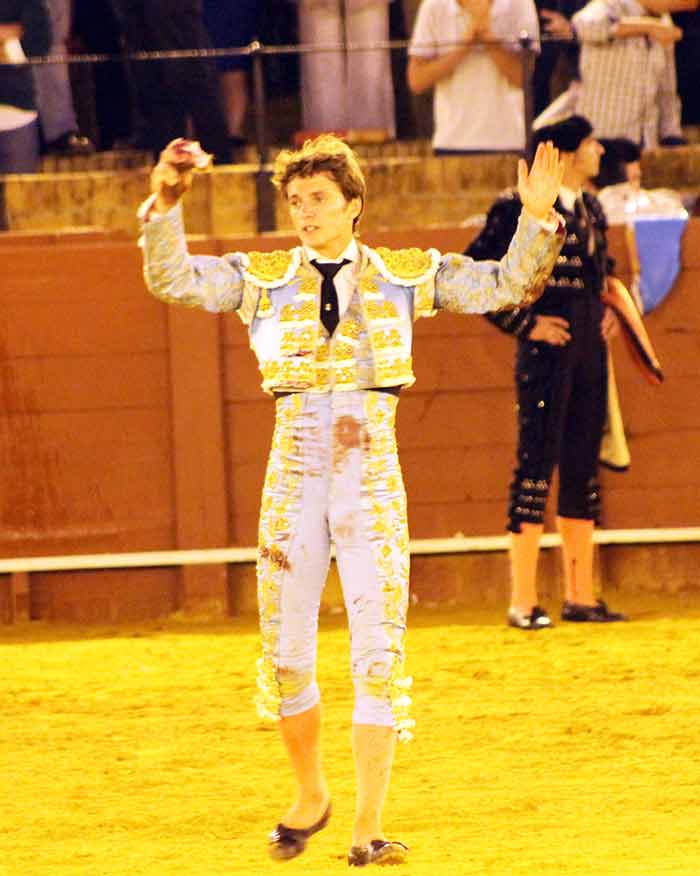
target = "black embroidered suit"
x: 561, y: 390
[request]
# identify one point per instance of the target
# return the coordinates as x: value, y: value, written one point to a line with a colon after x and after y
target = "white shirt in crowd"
x: 476, y: 107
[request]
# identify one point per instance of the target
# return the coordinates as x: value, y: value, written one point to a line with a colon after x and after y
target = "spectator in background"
x: 654, y: 220
x: 346, y: 89
x: 59, y: 124
x: 688, y: 64
x: 628, y: 70
x: 171, y: 92
x: 469, y: 51
x: 619, y: 186
x: 620, y: 163
x: 557, y: 64
x: 25, y: 30
x: 231, y: 25
x: 97, y: 30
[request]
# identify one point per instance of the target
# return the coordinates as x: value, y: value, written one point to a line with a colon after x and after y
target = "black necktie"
x: 329, y: 297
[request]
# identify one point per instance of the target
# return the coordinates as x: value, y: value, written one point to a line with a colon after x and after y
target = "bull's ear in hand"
x: 186, y: 155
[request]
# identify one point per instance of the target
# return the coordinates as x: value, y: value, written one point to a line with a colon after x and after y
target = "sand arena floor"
x: 134, y: 750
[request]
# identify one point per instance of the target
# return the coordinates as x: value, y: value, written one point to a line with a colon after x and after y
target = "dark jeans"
x: 19, y: 149
x: 172, y: 91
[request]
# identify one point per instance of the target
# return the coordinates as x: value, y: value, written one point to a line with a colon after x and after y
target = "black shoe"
x: 595, y: 614
x: 378, y: 852
x: 288, y: 842
x: 538, y: 619
x: 71, y: 143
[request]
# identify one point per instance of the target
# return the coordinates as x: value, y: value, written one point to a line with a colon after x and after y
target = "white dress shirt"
x: 568, y: 197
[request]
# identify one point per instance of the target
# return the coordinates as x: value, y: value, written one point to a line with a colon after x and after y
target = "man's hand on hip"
x: 552, y: 330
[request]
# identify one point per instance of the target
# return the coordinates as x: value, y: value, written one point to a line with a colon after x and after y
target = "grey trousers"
x: 19, y: 149
x: 53, y: 90
x: 342, y: 89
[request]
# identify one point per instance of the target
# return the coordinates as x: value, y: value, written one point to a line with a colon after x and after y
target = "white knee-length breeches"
x: 334, y: 476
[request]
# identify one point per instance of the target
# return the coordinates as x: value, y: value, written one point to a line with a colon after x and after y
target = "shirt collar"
x: 351, y: 252
x: 568, y: 197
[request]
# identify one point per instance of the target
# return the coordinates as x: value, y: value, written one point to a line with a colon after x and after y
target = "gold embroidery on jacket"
x: 424, y: 299
x: 322, y: 349
x: 383, y: 339
x: 343, y: 351
x: 297, y: 373
x: 366, y: 349
x: 345, y: 375
x: 367, y: 285
x: 296, y: 343
x: 265, y: 308
x: 394, y: 371
x: 302, y: 312
x: 351, y: 329
x: 269, y: 266
x: 384, y: 310
x: 406, y: 264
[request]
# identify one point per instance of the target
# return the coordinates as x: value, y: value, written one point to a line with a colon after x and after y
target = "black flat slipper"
x: 378, y: 852
x: 288, y: 842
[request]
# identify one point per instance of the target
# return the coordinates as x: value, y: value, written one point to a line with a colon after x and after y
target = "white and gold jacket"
x: 277, y: 295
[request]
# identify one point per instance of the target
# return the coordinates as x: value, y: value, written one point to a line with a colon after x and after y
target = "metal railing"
x: 260, y: 102
x: 260, y: 54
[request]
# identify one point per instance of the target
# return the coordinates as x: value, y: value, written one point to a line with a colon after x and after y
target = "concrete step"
x: 119, y: 159
x: 127, y: 159
x: 405, y: 191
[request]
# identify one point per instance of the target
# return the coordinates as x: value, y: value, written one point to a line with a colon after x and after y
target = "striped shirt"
x: 628, y: 83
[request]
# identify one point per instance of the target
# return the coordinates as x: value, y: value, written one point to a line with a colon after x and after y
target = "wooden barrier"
x: 18, y: 569
x: 128, y: 426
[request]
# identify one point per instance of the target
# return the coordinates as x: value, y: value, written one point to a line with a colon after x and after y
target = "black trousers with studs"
x: 562, y: 401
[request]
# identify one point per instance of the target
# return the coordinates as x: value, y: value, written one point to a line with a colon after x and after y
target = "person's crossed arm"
x: 425, y: 72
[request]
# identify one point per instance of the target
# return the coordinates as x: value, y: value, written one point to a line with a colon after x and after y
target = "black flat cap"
x: 618, y: 153
x: 621, y: 149
x: 566, y: 134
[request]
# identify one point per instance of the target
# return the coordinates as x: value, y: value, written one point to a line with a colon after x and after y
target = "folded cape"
x: 614, y: 451
x: 637, y: 340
